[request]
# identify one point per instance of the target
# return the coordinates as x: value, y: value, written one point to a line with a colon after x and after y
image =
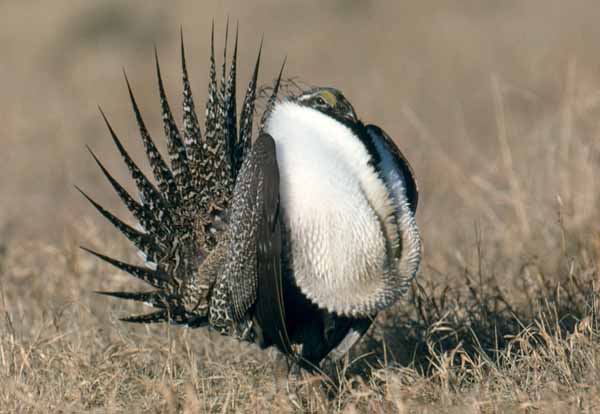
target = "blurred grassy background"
x: 496, y: 105
x: 402, y: 65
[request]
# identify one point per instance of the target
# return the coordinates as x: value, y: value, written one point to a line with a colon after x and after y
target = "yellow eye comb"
x: 329, y: 97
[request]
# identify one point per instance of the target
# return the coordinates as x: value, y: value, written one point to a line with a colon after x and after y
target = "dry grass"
x: 496, y: 106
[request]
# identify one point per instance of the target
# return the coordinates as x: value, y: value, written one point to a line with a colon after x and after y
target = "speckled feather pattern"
x: 162, y: 174
x: 182, y: 223
x: 226, y: 216
x: 192, y: 139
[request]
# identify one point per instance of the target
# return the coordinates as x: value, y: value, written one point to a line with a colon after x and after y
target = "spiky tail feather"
x: 180, y: 216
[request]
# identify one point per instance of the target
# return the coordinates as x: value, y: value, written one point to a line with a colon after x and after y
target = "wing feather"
x: 270, y: 309
x: 400, y: 162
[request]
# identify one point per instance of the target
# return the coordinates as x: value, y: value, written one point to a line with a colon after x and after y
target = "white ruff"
x: 337, y: 210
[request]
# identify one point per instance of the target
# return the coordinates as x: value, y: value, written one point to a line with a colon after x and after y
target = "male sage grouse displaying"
x: 296, y: 240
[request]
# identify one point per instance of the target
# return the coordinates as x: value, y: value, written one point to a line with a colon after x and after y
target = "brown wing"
x: 412, y: 190
x: 270, y: 311
x: 254, y: 266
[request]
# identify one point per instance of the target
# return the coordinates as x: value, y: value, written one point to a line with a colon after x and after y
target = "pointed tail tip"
x: 237, y: 32
x: 182, y: 52
x: 85, y: 249
x: 281, y: 69
x: 95, y: 253
x: 83, y: 193
x: 257, y: 65
x: 156, y: 55
x: 260, y: 47
x: 126, y: 78
x: 182, y: 43
x: 80, y: 190
x: 105, y: 118
x: 89, y: 149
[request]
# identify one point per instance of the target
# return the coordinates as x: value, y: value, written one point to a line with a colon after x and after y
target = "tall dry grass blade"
x: 518, y: 199
x: 566, y: 129
x: 454, y: 168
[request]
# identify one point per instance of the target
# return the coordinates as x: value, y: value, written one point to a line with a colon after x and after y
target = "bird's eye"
x: 321, y: 101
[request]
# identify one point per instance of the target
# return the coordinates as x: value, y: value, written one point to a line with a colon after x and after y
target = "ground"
x: 497, y: 106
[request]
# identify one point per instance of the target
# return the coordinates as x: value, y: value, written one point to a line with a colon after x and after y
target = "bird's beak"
x: 350, y: 116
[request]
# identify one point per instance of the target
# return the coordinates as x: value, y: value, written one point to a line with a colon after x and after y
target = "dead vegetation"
x: 470, y: 343
x: 504, y: 315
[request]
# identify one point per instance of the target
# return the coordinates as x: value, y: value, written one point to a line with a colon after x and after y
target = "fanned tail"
x: 182, y: 215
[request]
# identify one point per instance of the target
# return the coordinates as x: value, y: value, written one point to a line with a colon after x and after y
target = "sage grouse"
x: 296, y: 240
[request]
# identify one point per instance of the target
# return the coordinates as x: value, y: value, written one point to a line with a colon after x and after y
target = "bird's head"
x: 329, y: 101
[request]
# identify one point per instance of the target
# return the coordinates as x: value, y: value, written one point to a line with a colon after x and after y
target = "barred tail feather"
x: 155, y: 278
x: 155, y: 299
x: 177, y: 152
x: 192, y: 135
x: 141, y: 214
x: 245, y: 138
x: 142, y: 241
x: 231, y: 106
x: 154, y: 317
x: 215, y: 165
x: 162, y: 173
x: 165, y: 316
x: 150, y: 195
x: 223, y: 85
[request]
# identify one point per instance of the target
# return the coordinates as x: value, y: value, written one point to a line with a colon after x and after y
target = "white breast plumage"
x: 337, y: 209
